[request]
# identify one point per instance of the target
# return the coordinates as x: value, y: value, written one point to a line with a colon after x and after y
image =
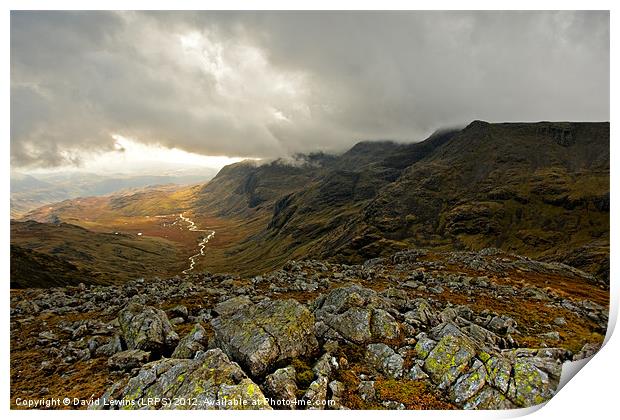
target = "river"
x: 201, y: 245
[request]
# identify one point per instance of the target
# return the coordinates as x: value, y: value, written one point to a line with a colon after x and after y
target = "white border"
x: 593, y: 394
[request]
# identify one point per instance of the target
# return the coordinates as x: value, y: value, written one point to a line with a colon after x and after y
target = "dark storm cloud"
x: 268, y: 84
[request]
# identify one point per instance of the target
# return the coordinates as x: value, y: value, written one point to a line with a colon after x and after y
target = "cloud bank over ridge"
x: 266, y: 84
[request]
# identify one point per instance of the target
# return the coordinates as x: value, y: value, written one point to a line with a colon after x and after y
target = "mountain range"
x: 536, y: 189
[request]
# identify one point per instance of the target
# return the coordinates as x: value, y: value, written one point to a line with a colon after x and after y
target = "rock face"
x: 210, y: 381
x: 258, y: 336
x: 147, y: 328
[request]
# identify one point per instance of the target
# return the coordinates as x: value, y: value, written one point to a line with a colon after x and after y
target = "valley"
x: 513, y: 186
x: 463, y: 271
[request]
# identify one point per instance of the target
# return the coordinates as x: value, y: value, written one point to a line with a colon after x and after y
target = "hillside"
x: 29, y: 192
x: 540, y: 190
x: 536, y: 189
x: 47, y: 255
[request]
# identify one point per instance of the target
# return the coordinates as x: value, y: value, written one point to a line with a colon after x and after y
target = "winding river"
x: 201, y: 245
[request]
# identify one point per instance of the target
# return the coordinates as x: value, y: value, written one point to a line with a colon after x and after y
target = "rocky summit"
x: 415, y: 330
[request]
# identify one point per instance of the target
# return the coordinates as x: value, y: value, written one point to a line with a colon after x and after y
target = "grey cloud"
x: 265, y: 84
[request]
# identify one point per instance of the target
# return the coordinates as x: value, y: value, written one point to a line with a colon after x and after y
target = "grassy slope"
x: 94, y: 258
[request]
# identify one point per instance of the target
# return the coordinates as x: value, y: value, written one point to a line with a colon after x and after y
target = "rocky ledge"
x: 414, y: 331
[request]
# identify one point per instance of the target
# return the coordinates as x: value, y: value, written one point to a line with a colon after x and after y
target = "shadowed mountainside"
x: 535, y: 189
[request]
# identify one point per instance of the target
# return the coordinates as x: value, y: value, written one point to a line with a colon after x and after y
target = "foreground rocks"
x: 400, y: 332
x: 258, y: 336
x: 210, y: 381
x: 147, y: 328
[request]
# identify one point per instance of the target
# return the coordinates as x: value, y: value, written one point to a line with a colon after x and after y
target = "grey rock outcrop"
x: 258, y: 336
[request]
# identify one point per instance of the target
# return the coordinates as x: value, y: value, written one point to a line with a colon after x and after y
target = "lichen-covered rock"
x: 416, y: 373
x: 424, y: 346
x: 483, y: 335
x: 489, y: 399
x: 449, y: 359
x: 325, y: 366
x: 366, y: 390
x: 231, y: 306
x: 469, y: 384
x: 128, y: 359
x: 258, y: 336
x: 383, y: 326
x: 353, y: 325
x: 534, y: 382
x: 422, y: 314
x: 499, y: 369
x: 147, y: 328
x: 385, y: 360
x: 281, y: 386
x: 210, y: 381
x: 191, y: 344
x: 337, y: 390
x: 316, y: 395
x: 357, y: 314
x: 341, y: 299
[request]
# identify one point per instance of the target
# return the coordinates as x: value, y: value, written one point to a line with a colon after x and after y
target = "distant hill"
x: 29, y: 192
x: 46, y: 255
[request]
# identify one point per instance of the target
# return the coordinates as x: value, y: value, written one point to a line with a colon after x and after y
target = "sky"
x: 117, y: 90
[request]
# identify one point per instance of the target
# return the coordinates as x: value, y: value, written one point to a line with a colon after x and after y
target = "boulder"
x: 502, y: 325
x: 210, y: 381
x: 534, y: 380
x: 353, y: 325
x: 358, y: 315
x: 316, y: 395
x: 449, y: 359
x: 114, y: 345
x: 383, y: 326
x: 147, y: 328
x: 469, y: 384
x: 337, y: 390
x: 498, y: 369
x: 179, y: 311
x: 128, y: 360
x: 258, y: 336
x: 489, y: 399
x: 366, y: 390
x: 422, y: 314
x: 231, y: 306
x: 191, y: 344
x: 325, y: 366
x: 281, y: 385
x: 385, y: 360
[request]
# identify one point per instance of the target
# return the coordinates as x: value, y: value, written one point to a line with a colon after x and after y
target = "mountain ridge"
x: 537, y: 189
